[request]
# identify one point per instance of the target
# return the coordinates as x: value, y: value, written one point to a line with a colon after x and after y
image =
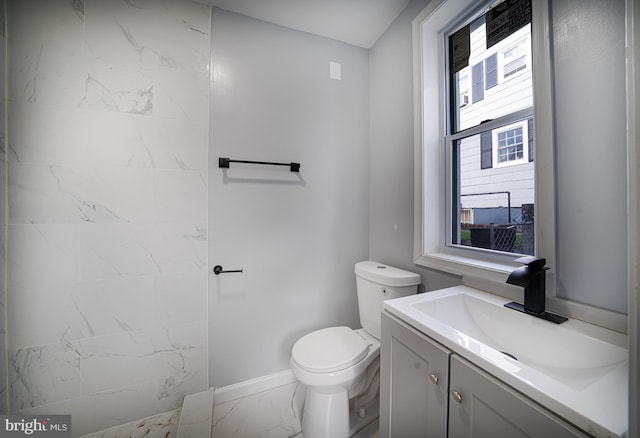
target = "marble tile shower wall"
x: 107, y: 197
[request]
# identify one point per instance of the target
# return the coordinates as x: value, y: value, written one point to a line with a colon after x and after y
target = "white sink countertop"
x: 575, y: 369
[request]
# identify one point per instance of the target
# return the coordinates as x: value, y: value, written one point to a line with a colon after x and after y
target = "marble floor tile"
x: 158, y: 426
x: 276, y: 413
x: 270, y: 414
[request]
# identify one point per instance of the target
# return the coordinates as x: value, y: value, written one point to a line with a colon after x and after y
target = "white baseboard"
x: 253, y: 386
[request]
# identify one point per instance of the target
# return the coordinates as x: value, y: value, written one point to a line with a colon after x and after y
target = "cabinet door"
x: 413, y: 383
x: 483, y: 407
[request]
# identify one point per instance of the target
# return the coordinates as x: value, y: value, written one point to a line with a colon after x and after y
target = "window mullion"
x: 493, y: 124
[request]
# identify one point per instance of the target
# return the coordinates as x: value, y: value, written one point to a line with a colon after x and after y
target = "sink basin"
x: 575, y: 369
x: 572, y: 356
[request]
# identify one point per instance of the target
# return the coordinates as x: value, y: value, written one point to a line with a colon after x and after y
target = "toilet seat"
x: 329, y: 350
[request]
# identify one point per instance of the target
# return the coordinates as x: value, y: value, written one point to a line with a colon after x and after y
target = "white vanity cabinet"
x: 414, y: 381
x: 482, y: 406
x: 428, y: 391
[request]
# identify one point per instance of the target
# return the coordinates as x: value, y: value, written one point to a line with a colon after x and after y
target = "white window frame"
x: 525, y: 144
x: 480, y: 268
x: 484, y: 269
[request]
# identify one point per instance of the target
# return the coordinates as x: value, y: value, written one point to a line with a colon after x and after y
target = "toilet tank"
x: 375, y: 283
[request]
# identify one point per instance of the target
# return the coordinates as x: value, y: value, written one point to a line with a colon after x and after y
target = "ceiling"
x: 357, y: 22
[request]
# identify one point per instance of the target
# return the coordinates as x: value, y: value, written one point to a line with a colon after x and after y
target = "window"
x: 487, y: 143
x: 510, y: 145
x: 454, y: 144
x: 463, y: 90
x: 515, y: 59
x: 500, y: 77
x: 460, y: 189
x: 466, y: 216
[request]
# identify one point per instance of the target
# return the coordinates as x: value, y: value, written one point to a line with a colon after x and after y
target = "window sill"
x: 491, y: 276
x: 465, y: 266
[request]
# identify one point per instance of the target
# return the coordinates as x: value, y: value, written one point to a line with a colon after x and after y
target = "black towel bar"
x: 223, y: 163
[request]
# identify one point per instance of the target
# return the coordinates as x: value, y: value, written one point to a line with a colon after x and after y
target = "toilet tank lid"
x: 386, y: 275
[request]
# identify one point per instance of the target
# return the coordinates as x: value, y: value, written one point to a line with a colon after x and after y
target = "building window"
x: 466, y: 216
x: 511, y: 145
x: 514, y: 59
x: 463, y: 90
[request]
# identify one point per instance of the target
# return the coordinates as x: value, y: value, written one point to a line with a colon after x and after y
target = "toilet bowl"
x: 340, y: 366
x: 332, y: 377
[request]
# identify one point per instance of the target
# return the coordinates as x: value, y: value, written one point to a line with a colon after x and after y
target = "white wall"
x: 107, y: 262
x: 589, y: 68
x: 391, y: 196
x: 297, y: 237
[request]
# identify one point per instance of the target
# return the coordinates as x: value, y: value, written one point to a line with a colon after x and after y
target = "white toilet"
x: 340, y: 366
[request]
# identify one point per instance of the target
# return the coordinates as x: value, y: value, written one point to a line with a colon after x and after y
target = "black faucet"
x: 532, y: 278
